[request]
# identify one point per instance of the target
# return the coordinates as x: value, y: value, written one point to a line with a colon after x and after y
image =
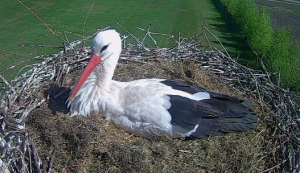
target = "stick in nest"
x: 88, y: 14
x: 32, y: 12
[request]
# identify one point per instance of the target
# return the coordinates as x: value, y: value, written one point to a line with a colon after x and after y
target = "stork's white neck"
x: 104, y: 72
x: 95, y: 94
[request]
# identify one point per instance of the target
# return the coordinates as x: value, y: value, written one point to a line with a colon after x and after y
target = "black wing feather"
x: 214, y: 116
x: 218, y: 115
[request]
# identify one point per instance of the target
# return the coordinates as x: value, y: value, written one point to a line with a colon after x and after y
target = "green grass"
x: 19, y: 26
x: 255, y: 23
x: 285, y: 58
x: 277, y: 49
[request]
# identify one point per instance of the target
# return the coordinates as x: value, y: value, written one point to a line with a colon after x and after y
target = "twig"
x: 147, y: 33
x: 134, y: 37
x: 178, y: 45
x: 53, y: 32
x: 208, y: 41
x: 88, y: 14
x: 185, y: 151
x: 217, y: 40
x: 49, y: 169
x: 36, y: 159
x: 65, y: 34
x: 274, y: 167
x: 6, y: 83
x: 124, y: 37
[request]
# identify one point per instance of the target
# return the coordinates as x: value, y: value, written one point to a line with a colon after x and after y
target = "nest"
x: 52, y: 141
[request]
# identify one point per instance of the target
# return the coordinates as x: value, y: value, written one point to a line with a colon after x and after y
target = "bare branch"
x: 32, y: 12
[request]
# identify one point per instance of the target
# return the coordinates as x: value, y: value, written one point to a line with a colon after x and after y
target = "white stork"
x: 151, y: 107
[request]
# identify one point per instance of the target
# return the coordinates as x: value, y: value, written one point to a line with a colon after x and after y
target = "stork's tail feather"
x: 239, y: 117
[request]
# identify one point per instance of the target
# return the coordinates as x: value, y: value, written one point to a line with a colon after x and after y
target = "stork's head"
x: 106, y: 45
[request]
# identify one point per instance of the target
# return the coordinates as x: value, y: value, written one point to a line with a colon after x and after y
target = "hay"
x: 53, y: 142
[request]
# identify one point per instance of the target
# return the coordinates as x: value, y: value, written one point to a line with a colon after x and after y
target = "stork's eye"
x: 104, y: 48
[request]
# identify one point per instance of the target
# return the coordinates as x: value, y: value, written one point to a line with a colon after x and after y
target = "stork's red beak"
x: 94, y: 61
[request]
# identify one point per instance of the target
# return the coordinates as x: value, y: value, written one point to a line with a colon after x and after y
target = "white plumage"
x: 144, y: 106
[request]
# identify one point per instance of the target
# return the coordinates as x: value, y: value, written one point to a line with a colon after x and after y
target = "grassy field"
x: 18, y: 26
x: 283, y: 14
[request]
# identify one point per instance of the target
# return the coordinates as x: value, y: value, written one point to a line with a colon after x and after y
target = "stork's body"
x: 151, y: 107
